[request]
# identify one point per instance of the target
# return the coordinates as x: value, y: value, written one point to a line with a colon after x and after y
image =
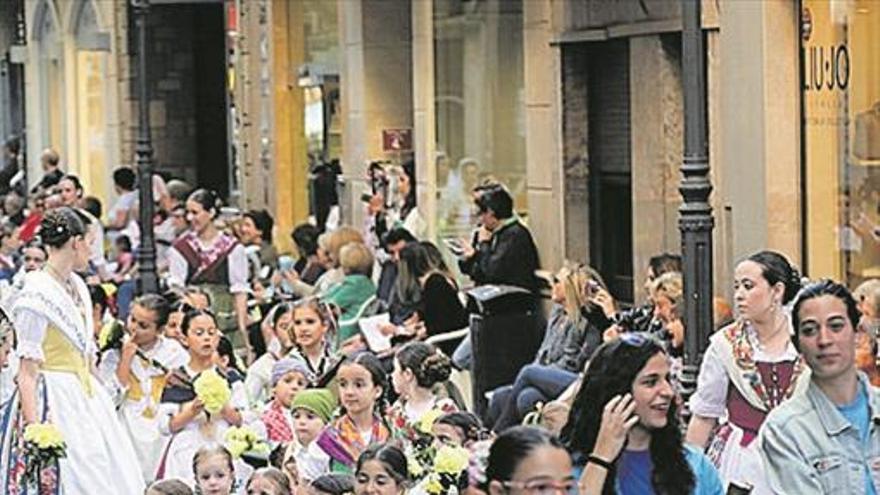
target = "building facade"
x: 576, y: 105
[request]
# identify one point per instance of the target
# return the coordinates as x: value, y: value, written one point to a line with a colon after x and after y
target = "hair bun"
x: 55, y: 228
x: 435, y: 369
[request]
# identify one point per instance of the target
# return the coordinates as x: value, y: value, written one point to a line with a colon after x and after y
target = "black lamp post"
x: 148, y: 281
x: 695, y: 220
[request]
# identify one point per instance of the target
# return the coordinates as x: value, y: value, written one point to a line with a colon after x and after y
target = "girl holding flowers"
x: 199, y: 402
x: 56, y: 386
x: 361, y: 381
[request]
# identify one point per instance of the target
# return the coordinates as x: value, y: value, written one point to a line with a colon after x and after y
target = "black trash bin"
x: 506, y: 328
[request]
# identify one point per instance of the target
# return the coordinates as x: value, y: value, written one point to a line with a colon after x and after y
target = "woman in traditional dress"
x: 53, y: 321
x: 749, y: 368
x: 215, y: 261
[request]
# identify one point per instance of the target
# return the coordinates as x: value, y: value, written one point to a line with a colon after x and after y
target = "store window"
x: 479, y: 104
x: 840, y: 60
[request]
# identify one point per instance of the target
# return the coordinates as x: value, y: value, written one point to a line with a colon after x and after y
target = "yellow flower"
x: 213, y: 390
x: 434, y: 486
x: 105, y: 336
x: 427, y: 421
x: 243, y: 439
x: 413, y: 466
x: 452, y: 460
x: 44, y: 436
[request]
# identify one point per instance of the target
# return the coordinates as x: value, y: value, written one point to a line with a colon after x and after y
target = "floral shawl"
x: 737, y: 346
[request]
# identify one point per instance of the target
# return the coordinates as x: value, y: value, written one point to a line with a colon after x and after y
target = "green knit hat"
x: 317, y: 400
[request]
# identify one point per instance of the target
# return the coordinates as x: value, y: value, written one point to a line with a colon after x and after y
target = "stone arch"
x: 87, y: 28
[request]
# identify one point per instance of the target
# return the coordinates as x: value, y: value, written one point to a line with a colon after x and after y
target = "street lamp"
x: 148, y: 281
x: 695, y: 220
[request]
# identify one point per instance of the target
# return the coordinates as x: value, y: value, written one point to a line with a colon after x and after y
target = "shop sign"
x: 397, y: 140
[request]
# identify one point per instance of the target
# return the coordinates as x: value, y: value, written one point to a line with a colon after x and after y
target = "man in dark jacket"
x: 503, y: 251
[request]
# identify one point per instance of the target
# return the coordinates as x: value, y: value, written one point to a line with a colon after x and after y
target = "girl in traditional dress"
x: 418, y: 367
x: 183, y: 418
x: 749, y: 368
x: 361, y: 380
x: 213, y: 260
x: 312, y: 320
x: 136, y: 374
x: 53, y: 321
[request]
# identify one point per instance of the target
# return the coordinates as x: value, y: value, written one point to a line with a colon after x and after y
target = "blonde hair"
x: 574, y: 278
x: 356, y: 258
x: 339, y: 238
x: 869, y: 292
x: 670, y: 286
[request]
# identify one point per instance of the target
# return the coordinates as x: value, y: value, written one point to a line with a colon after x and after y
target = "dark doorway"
x: 188, y: 107
x: 610, y: 167
x: 209, y: 70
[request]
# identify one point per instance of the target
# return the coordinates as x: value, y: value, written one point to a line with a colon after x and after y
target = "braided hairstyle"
x: 428, y: 365
x: 60, y: 225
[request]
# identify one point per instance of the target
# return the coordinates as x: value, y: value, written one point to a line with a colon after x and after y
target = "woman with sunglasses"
x: 528, y: 460
x: 574, y: 331
x: 624, y: 426
x: 53, y: 323
x: 749, y: 368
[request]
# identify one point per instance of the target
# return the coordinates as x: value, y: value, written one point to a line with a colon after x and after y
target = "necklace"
x: 780, y: 327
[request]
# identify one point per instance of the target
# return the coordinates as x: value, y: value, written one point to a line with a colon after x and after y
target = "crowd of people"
x: 337, y: 369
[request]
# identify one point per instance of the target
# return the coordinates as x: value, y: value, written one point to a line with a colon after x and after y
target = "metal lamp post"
x: 148, y: 281
x: 695, y: 221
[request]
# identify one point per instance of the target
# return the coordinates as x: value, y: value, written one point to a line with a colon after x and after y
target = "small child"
x: 213, y: 471
x: 459, y: 429
x: 289, y: 377
x: 312, y: 410
x: 258, y: 381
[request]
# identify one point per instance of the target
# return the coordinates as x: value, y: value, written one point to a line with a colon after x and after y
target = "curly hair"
x: 612, y: 371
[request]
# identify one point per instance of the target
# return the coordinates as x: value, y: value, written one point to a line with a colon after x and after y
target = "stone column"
x: 760, y: 161
x: 543, y: 82
x: 424, y: 118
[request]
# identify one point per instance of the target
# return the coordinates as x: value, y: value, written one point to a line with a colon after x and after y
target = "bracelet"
x: 594, y: 459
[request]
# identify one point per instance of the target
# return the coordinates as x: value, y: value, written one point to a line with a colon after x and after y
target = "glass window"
x: 479, y: 101
x: 841, y: 91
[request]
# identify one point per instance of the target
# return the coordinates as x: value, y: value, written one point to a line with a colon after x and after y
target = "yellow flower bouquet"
x: 44, y: 445
x: 213, y: 390
x: 241, y: 440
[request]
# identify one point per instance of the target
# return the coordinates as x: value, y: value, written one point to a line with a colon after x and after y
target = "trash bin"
x: 506, y: 328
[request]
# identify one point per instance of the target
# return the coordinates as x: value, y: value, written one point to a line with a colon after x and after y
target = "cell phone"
x: 285, y: 263
x: 366, y: 197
